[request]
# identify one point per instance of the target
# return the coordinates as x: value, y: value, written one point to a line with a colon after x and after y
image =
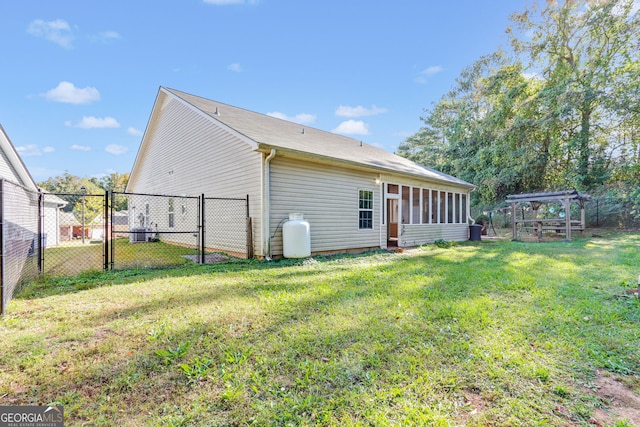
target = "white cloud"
x: 33, y: 150
x: 302, y: 118
x: 225, y: 2
x: 428, y: 72
x: 91, y: 122
x: 57, y: 31
x: 106, y: 35
x: 359, y: 111
x: 68, y: 93
x: 235, y: 67
x: 116, y: 149
x: 77, y: 147
x: 352, y: 127
x: 134, y: 132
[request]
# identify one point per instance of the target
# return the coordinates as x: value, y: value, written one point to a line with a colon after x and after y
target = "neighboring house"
x: 119, y: 224
x: 354, y: 196
x: 13, y: 169
x: 51, y: 224
x: 71, y: 227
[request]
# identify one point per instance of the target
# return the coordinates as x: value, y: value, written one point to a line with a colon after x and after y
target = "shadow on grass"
x: 357, y: 338
x: 49, y: 285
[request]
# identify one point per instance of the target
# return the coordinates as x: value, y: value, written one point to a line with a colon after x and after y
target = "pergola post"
x: 513, y: 221
x: 583, y: 221
x: 537, y: 228
x: 567, y: 218
x: 537, y: 224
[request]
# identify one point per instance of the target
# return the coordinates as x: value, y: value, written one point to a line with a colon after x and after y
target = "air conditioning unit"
x: 140, y: 234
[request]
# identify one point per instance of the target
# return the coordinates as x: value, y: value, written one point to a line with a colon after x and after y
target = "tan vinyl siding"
x: 328, y: 198
x: 419, y: 234
x: 7, y: 170
x: 187, y: 154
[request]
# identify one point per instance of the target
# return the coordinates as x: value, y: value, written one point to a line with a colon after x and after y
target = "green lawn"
x: 75, y: 258
x: 491, y: 333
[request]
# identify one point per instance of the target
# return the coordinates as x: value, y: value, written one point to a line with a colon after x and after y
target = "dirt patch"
x: 471, y: 405
x: 208, y: 258
x: 620, y: 402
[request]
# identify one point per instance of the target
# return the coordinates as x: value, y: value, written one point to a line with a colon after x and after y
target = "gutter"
x: 382, y: 210
x: 319, y: 158
x: 266, y: 206
x: 473, y: 221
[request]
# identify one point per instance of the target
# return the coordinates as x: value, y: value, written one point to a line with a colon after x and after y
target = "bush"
x: 441, y: 243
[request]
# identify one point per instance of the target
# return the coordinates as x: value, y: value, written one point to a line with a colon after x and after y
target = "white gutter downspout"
x: 266, y: 204
x: 473, y: 221
x: 382, y: 209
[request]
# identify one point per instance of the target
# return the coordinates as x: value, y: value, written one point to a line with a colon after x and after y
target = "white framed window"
x: 145, y: 219
x: 171, y: 213
x: 365, y: 209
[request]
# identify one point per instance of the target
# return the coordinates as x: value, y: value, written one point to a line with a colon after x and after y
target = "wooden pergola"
x: 538, y: 225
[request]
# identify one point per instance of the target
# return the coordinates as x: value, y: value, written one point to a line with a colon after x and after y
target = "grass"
x: 490, y: 333
x: 75, y: 258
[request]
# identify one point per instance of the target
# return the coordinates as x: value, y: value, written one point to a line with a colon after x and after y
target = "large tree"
x: 560, y: 110
x: 72, y: 188
x: 586, y: 52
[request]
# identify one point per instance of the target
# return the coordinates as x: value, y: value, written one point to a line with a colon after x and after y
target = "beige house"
x: 354, y: 196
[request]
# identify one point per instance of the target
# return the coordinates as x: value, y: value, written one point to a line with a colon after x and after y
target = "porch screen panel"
x: 415, y: 209
x: 425, y: 207
x: 463, y: 207
x: 434, y: 207
x: 406, y: 207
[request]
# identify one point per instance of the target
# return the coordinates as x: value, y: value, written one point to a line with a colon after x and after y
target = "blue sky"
x: 79, y: 78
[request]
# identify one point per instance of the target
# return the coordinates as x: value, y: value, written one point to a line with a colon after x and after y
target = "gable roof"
x: 265, y: 133
x: 14, y: 163
x: 69, y: 218
x: 52, y: 199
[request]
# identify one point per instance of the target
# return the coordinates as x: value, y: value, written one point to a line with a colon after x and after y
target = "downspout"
x: 266, y: 204
x: 382, y: 209
x: 473, y: 221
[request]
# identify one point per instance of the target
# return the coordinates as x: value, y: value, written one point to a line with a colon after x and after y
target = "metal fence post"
x: 249, y: 232
x: 2, y: 307
x: 106, y: 220
x: 41, y: 235
x: 202, y: 230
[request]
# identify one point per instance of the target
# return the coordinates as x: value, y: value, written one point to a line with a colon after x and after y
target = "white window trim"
x: 372, y: 210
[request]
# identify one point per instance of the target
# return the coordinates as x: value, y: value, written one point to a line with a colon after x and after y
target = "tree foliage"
x: 74, y: 188
x: 561, y: 110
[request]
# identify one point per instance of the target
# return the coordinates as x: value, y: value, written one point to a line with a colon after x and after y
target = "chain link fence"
x: 612, y: 212
x: 600, y: 212
x: 66, y: 234
x: 150, y: 230
x: 73, y: 233
x: 227, y: 229
x: 19, y: 238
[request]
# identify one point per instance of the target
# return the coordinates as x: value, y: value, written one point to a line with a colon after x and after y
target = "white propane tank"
x: 296, y: 239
